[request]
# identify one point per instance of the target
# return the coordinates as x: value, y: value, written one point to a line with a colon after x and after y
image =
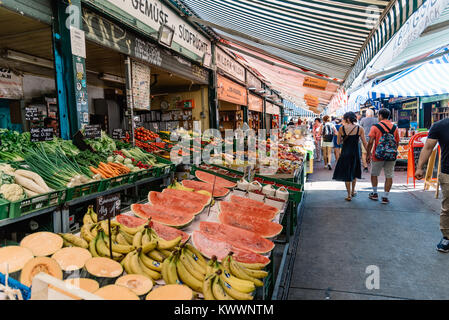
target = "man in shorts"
x: 377, y: 164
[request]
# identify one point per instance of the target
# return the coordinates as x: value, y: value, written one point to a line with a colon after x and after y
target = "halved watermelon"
x: 209, y: 178
x: 209, y: 247
x: 240, y: 238
x: 259, y: 226
x: 165, y: 232
x: 167, y: 200
x: 182, y: 194
x: 250, y: 202
x: 198, y: 185
x: 259, y: 212
x: 171, y: 217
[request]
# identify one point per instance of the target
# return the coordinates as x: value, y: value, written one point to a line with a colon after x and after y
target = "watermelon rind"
x: 154, y: 192
x: 234, y: 184
x: 180, y: 226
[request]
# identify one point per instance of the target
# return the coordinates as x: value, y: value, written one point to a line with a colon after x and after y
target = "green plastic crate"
x: 26, y: 206
x: 4, y: 209
x: 85, y: 189
x: 143, y: 174
x: 119, y: 181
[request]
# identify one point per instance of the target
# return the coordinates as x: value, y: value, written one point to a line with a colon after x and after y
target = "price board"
x: 41, y: 134
x: 31, y: 114
x: 92, y: 131
x: 118, y: 134
x: 108, y: 206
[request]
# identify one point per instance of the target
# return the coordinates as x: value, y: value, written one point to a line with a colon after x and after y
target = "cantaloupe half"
x: 115, y: 292
x: 16, y: 257
x: 171, y: 292
x: 137, y: 283
x: 42, y: 244
x: 103, y: 270
x: 85, y: 284
x: 71, y: 259
x: 37, y: 265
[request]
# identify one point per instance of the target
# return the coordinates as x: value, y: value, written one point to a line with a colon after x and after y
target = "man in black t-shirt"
x: 439, y: 132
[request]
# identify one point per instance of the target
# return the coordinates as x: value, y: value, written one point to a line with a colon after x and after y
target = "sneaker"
x: 443, y: 246
x: 373, y: 196
x: 329, y: 166
x: 365, y: 170
x: 385, y: 200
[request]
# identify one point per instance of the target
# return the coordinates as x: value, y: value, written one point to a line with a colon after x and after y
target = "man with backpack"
x: 384, y: 137
x: 328, y: 134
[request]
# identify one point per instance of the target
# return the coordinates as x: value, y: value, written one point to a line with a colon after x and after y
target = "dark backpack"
x: 328, y: 134
x: 387, y: 149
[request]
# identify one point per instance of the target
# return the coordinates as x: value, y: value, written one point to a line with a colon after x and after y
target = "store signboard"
x: 141, y: 80
x: 229, y: 65
x: 92, y: 131
x: 110, y: 35
x: 255, y: 103
x: 78, y: 42
x: 31, y: 114
x: 41, y: 134
x: 118, y: 134
x: 410, y: 105
x: 272, y: 109
x: 108, y: 206
x: 154, y: 14
x: 230, y: 91
x: 11, y: 85
x: 252, y: 81
x: 314, y: 83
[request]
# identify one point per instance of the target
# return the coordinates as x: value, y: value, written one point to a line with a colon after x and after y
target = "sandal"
x: 348, y: 199
x: 354, y: 194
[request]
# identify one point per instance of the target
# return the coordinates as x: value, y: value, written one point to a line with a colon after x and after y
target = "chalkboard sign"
x: 108, y: 206
x: 31, y: 114
x: 92, y: 131
x: 118, y: 134
x: 41, y: 134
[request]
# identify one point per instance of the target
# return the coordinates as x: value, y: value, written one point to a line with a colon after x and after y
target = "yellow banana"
x: 125, y: 263
x: 76, y: 241
x: 207, y: 287
x: 119, y: 248
x: 149, y: 273
x: 210, y: 266
x: 93, y: 214
x: 166, y: 245
x: 218, y: 290
x: 150, y: 263
x: 127, y: 236
x: 234, y: 293
x: 66, y: 243
x: 258, y: 274
x: 172, y: 274
x: 121, y: 240
x: 87, y: 219
x: 196, y: 255
x: 92, y: 247
x: 137, y: 240
x: 103, y: 250
x: 164, y: 270
x: 132, y: 231
x: 86, y: 233
x: 240, y: 273
x: 134, y: 264
x: 156, y: 255
x: 193, y: 267
x: 148, y: 243
x: 253, y: 266
x: 187, y: 278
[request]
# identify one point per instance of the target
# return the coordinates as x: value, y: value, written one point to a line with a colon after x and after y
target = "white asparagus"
x: 29, y: 184
x: 35, y: 177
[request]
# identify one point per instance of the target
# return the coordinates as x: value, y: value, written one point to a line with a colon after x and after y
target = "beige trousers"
x: 444, y: 217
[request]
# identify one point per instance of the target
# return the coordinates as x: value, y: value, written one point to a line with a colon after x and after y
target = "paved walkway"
x: 339, y: 240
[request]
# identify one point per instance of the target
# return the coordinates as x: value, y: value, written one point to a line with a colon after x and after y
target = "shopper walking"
x: 327, y: 145
x: 337, y: 147
x: 348, y: 168
x: 384, y: 137
x: 439, y: 132
x: 366, y: 123
x: 316, y: 130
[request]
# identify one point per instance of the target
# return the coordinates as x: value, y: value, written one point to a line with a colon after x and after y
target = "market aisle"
x: 340, y: 239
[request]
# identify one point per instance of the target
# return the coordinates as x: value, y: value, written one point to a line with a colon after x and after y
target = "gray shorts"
x: 388, y: 167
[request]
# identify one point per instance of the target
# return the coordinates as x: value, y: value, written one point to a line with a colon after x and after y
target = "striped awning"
x: 292, y: 110
x: 427, y: 79
x: 336, y: 38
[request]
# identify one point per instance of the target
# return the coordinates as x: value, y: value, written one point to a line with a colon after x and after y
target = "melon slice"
x: 103, y: 270
x: 137, y: 283
x: 85, y: 284
x: 209, y: 246
x: 71, y: 259
x: 253, y: 203
x: 115, y: 292
x: 37, y: 265
x: 165, y: 232
x: 183, y: 194
x: 167, y: 216
x: 16, y: 257
x: 169, y: 201
x: 259, y: 212
x: 209, y: 178
x: 171, y: 292
x: 257, y: 225
x: 42, y: 244
x: 240, y: 238
x: 199, y: 185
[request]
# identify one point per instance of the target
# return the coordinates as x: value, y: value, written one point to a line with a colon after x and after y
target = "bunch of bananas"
x: 185, y: 266
x: 232, y: 280
x: 90, y: 224
x: 70, y: 240
x: 179, y: 186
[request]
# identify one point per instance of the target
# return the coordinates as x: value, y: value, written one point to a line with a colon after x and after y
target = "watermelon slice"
x: 194, y: 196
x: 209, y: 247
x: 171, y: 217
x: 209, y: 178
x: 167, y: 200
x: 250, y: 202
x: 198, y: 185
x: 237, y: 237
x: 260, y: 212
x: 166, y: 233
x: 257, y: 225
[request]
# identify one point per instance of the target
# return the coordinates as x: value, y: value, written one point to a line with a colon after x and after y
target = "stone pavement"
x: 338, y: 240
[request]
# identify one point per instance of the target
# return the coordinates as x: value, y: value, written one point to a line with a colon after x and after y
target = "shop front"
x: 255, y: 112
x: 272, y: 115
x: 232, y: 99
x: 432, y: 109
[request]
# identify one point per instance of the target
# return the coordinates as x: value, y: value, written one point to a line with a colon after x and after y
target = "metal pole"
x: 129, y: 97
